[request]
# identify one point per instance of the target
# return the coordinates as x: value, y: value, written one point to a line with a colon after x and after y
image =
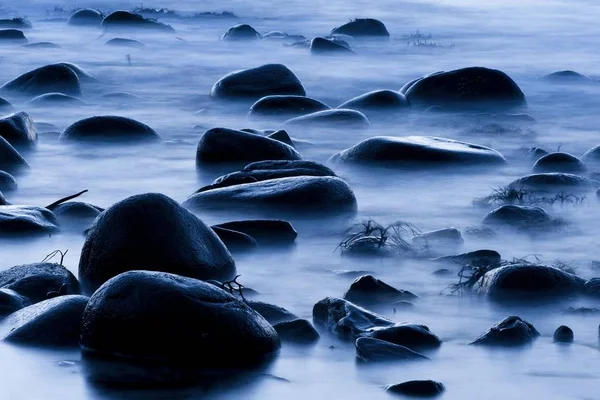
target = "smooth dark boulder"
x: 297, y: 330
x: 554, y: 182
x: 235, y: 241
x: 592, y: 287
x: 362, y: 27
x: 418, y: 150
x: 566, y: 76
x: 222, y: 145
x: 415, y: 337
x: 375, y: 350
x: 3, y: 201
x: 53, y: 322
x: 12, y: 36
x: 109, y: 128
x: 512, y: 331
x: 299, y: 194
x: 529, y: 281
x: 82, y: 74
x: 39, y: 281
x: 467, y: 88
x: 10, y: 159
x: 129, y: 20
x: 287, y: 106
x: 86, y: 17
x: 264, y: 231
x: 76, y: 214
x: 321, y: 45
x: 417, y: 388
x: 19, y: 130
x: 336, y: 118
x: 255, y: 83
x: 50, y: 78
x: 592, y: 156
x: 516, y: 216
x: 563, y: 334
x: 11, y: 301
x: 439, y: 241
x: 378, y: 100
x: 477, y: 258
x: 41, y: 45
x: 146, y: 315
x: 122, y: 42
x: 15, y: 23
x: 346, y: 319
x: 154, y: 233
x: 369, y: 291
x: 5, y: 105
x: 283, y: 137
x: 54, y: 99
x: 272, y: 313
x: 559, y: 162
x: 241, y: 32
x: 26, y: 220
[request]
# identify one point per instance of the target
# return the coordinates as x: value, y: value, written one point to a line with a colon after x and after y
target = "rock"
x: 264, y: 231
x: 11, y: 301
x: 52, y: 99
x: 442, y: 272
x: 122, y: 97
x: 285, y: 106
x: 15, y: 23
x: 26, y: 220
x: 337, y: 118
x: 300, y: 194
x: 13, y: 36
x: 76, y: 213
x: 528, y: 281
x: 554, y: 182
x: 582, y: 311
x: 412, y: 336
x: 563, y: 334
x: 283, y: 137
x: 362, y: 27
x: 320, y: 45
x: 409, y: 151
x: 467, y: 88
x: 82, y: 74
x: 241, y: 32
x: 10, y: 159
x: 41, y: 45
x: 19, y: 130
x: 145, y: 315
x: 235, y: 241
x: 86, y: 17
x: 128, y: 20
x: 477, y: 258
x: 559, y: 162
x: 375, y: 350
x: 39, y: 281
x: 566, y: 76
x: 109, y: 128
x: 417, y: 388
x: 268, y: 79
x: 53, y: 322
x: 535, y: 153
x: 512, y: 331
x: 122, y: 42
x: 272, y: 313
x: 5, y: 105
x: 368, y: 291
x: 7, y: 182
x: 345, y: 319
x: 154, y: 233
x: 3, y: 201
x: 47, y: 79
x: 222, y: 145
x: 592, y: 156
x: 298, y: 330
x: 592, y: 287
x: 516, y: 216
x: 378, y: 100
x: 440, y: 241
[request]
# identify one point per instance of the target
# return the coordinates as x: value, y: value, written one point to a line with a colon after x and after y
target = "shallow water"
x: 174, y: 74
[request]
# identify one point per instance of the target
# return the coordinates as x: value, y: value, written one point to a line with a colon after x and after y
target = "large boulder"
x: 517, y: 216
x: 222, y: 145
x: 368, y: 291
x: 272, y: 313
x: 554, y: 182
x: 362, y: 27
x: 467, y: 88
x: 10, y: 159
x: 592, y: 156
x: 241, y: 32
x: 12, y: 36
x: 8, y: 182
x: 109, y: 128
x: 418, y: 150
x: 320, y: 45
x: 512, y: 331
x: 288, y: 106
x: 299, y: 194
x: 129, y: 20
x: 39, y: 281
x: 530, y: 282
x: 264, y: 231
x: 53, y: 322
x: 378, y: 100
x: 559, y: 162
x: 592, y: 287
x: 415, y: 337
x: 86, y: 17
x: 254, y: 83
x: 47, y: 79
x: 19, y: 130
x: 166, y: 318
x: 297, y: 330
x: 563, y: 334
x: 375, y: 350
x: 152, y: 232
x: 26, y: 220
x: 336, y: 118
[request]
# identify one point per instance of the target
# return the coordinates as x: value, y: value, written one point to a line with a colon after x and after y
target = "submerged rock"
x: 15, y: 23
x: 417, y: 388
x: 109, y: 128
x: 375, y: 350
x: 592, y: 156
x: 154, y: 233
x: 298, y: 330
x: 336, y: 118
x: 76, y: 213
x: 235, y: 241
x: 418, y: 150
x: 5, y: 105
x: 53, y: 322
x: 415, y: 337
x: 222, y: 145
x: 367, y: 290
x: 86, y: 17
x: 378, y: 100
x: 50, y: 78
x: 272, y: 313
x: 517, y: 216
x: 10, y: 159
x: 554, y: 182
x: 286, y: 106
x: 512, y: 331
x: 7, y: 182
x: 439, y: 241
x: 122, y: 42
x: 559, y: 162
x: 283, y: 137
x: 241, y: 32
x: 592, y: 287
x: 466, y: 88
x: 12, y: 36
x: 144, y: 315
x: 477, y: 258
x: 19, y: 130
x: 268, y: 79
x: 320, y: 45
x: 26, y: 220
x: 264, y: 231
x: 566, y: 76
x: 129, y: 20
x: 11, y: 301
x: 362, y: 27
x: 54, y: 99
x: 563, y: 334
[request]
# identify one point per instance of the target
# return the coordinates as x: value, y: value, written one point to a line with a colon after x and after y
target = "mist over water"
x: 173, y: 76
